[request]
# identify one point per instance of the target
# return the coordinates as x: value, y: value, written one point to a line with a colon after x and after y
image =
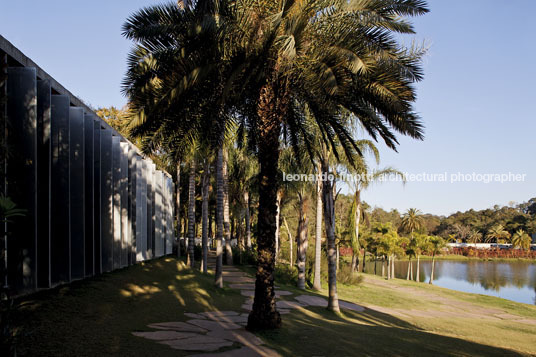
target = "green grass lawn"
x: 96, y: 317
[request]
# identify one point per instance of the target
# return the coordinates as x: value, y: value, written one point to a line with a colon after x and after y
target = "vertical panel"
x: 149, y: 217
x: 169, y: 225
x: 21, y: 176
x: 60, y: 246
x: 132, y: 186
x: 76, y: 189
x: 106, y: 188
x: 116, y: 164
x: 89, y: 194
x: 158, y: 249
x: 125, y: 226
x: 43, y: 184
x: 97, y: 237
x: 141, y: 211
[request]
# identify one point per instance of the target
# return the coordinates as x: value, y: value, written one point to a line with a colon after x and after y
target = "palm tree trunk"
x: 409, y: 268
x: 218, y: 277
x: 290, y: 241
x: 357, y: 218
x: 418, y: 276
x: 388, y: 267
x: 303, y: 232
x: 393, y: 267
x: 264, y: 314
x: 191, y: 214
x: 248, y: 220
x: 329, y: 222
x: 277, y: 225
x: 354, y: 261
x: 204, y: 211
x: 364, y: 256
x: 383, y: 267
x: 226, y: 222
x: 432, y: 273
x: 178, y: 208
x: 338, y: 254
x: 317, y: 285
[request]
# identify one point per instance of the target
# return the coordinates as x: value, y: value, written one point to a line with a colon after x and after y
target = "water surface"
x: 514, y: 281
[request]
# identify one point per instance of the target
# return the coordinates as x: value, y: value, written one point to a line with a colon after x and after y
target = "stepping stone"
x: 312, y: 300
x: 288, y: 304
x: 211, y: 314
x: 198, y: 343
x: 230, y: 319
x: 214, y: 325
x: 194, y: 316
x: 242, y: 286
x: 248, y: 307
x: 251, y: 293
x: 164, y: 335
x: 177, y: 326
x: 239, y: 279
x: 241, y: 336
x: 351, y: 306
x: 283, y: 311
x: 243, y: 352
x: 234, y: 273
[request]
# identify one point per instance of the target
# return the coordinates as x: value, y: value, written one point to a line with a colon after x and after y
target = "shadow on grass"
x: 96, y: 316
x: 314, y: 331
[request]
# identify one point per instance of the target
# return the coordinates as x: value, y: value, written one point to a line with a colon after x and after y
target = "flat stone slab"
x: 351, y: 306
x: 198, y: 343
x: 284, y: 311
x: 177, y: 326
x: 211, y: 314
x: 239, y: 279
x: 242, y: 286
x: 231, y: 319
x: 312, y: 300
x: 241, y: 336
x: 251, y: 293
x: 214, y: 325
x: 288, y: 304
x: 194, y: 315
x: 164, y: 335
x: 243, y: 352
x: 234, y: 273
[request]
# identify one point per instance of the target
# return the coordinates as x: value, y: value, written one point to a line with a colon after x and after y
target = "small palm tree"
x: 521, y: 239
x: 435, y: 245
x: 475, y: 237
x: 498, y: 233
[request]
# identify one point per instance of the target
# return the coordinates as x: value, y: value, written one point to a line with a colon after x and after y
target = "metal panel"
x: 89, y: 194
x: 60, y: 244
x: 141, y: 211
x: 97, y: 236
x: 159, y: 236
x: 116, y: 164
x: 150, y: 209
x: 106, y: 188
x: 132, y: 186
x: 123, y: 188
x: 21, y: 175
x: 76, y: 189
x: 43, y: 184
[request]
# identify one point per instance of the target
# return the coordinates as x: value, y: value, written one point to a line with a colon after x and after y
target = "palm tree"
x: 412, y: 221
x: 497, y: 233
x: 205, y: 155
x: 282, y: 53
x: 218, y: 277
x: 474, y: 237
x: 521, y: 239
x: 435, y: 245
x: 191, y: 212
x: 317, y: 285
x: 420, y: 243
x: 226, y: 218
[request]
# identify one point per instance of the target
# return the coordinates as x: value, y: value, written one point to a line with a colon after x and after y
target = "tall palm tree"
x: 521, y: 239
x: 226, y: 217
x: 412, y: 221
x: 218, y: 277
x: 262, y: 58
x: 435, y: 245
x: 191, y: 212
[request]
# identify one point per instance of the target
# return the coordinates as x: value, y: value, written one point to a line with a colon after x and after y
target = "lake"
x: 514, y: 281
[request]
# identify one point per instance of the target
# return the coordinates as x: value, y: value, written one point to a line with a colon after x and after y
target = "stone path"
x: 214, y: 330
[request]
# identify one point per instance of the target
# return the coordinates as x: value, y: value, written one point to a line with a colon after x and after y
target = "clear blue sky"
x: 476, y: 100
